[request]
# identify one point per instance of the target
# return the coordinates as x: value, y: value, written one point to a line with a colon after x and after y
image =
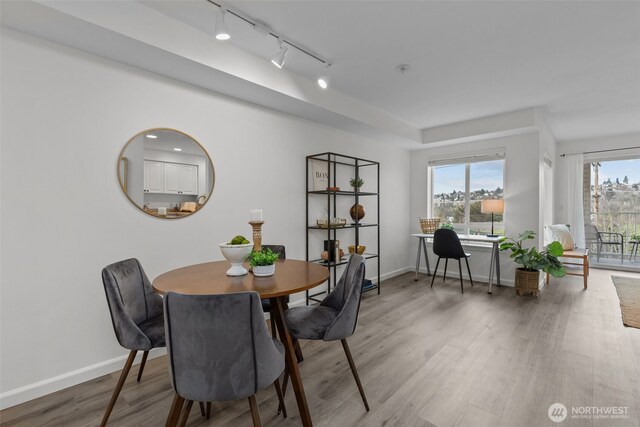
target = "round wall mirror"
x: 166, y: 173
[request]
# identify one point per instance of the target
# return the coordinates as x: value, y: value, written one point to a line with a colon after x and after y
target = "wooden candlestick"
x: 257, y: 234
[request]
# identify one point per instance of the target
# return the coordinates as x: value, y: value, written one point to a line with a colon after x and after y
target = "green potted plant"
x: 356, y: 183
x: 533, y: 261
x: 447, y: 226
x: 263, y: 262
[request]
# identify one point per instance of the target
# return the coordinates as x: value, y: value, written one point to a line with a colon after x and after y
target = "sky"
x: 618, y: 169
x: 487, y: 175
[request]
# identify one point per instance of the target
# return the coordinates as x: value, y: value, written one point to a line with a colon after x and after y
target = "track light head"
x: 323, y: 79
x: 222, y: 32
x: 279, y: 58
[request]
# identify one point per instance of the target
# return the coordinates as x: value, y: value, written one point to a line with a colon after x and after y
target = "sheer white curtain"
x: 574, y: 169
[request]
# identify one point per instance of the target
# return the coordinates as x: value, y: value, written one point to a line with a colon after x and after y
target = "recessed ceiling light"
x: 323, y: 82
x: 177, y: 149
x: 151, y: 136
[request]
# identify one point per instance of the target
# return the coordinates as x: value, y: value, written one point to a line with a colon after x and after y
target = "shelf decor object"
x: 326, y: 173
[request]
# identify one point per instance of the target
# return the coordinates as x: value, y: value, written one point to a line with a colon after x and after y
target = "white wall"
x: 521, y: 192
x: 66, y: 116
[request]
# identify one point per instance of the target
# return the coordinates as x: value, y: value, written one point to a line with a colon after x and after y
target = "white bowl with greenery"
x: 236, y: 255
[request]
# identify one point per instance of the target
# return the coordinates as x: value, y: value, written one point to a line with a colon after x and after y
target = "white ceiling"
x: 579, y: 60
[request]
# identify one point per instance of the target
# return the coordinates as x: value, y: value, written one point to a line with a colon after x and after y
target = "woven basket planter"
x: 429, y: 225
x: 527, y: 282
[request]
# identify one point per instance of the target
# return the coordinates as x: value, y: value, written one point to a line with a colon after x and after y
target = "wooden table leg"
x: 277, y: 309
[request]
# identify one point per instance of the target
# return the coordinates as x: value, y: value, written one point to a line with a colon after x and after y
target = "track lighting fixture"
x: 222, y: 32
x: 323, y: 79
x: 279, y: 58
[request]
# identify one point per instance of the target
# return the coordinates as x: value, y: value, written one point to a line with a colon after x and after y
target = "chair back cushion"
x: 446, y: 244
x: 218, y: 346
x: 345, y: 298
x: 131, y: 302
x: 562, y: 234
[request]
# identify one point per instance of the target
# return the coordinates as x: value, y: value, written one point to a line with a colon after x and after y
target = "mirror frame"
x: 122, y: 168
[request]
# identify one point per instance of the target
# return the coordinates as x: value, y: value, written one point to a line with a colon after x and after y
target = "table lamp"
x: 492, y: 206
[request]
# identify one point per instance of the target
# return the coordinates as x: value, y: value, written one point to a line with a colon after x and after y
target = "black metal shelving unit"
x: 356, y: 164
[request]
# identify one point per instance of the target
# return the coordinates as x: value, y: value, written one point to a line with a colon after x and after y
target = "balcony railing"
x: 625, y: 223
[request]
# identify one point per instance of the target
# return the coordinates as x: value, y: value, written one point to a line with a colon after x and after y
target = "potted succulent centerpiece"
x: 533, y: 261
x: 356, y: 183
x: 263, y: 262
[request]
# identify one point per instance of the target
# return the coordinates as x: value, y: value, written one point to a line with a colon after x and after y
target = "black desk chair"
x: 446, y: 244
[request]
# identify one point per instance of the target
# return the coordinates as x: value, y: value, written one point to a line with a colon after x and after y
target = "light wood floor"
x: 426, y: 357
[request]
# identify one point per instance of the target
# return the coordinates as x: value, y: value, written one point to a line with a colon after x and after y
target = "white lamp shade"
x: 495, y: 206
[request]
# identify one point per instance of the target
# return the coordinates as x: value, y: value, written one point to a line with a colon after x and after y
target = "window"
x: 458, y: 188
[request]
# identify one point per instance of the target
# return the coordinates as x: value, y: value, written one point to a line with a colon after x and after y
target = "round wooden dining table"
x: 291, y: 276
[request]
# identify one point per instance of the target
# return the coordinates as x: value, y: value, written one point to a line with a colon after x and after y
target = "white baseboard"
x: 41, y: 388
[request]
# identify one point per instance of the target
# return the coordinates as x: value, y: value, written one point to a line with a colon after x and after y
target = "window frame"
x: 467, y: 225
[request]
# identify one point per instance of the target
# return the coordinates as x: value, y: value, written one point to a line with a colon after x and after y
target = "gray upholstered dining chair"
x: 336, y: 317
x: 446, y: 244
x: 136, y: 314
x: 219, y: 349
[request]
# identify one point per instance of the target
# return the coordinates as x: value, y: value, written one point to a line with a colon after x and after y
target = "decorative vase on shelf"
x: 356, y: 212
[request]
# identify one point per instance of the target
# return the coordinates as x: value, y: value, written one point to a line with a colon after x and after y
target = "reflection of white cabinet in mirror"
x: 153, y: 176
x: 180, y: 179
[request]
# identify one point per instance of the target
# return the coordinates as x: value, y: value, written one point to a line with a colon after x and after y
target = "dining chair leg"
x: 174, y: 411
x: 281, y: 407
x: 202, y: 413
x: 185, y: 414
x: 434, y: 272
x: 469, y: 270
x: 116, y: 392
x: 208, y: 411
x: 273, y: 327
x: 355, y: 372
x: 296, y: 345
x: 460, y: 270
x: 444, y: 276
x: 144, y: 361
x: 255, y: 412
